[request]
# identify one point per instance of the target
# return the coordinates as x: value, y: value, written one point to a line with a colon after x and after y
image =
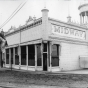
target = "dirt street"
x: 26, y: 79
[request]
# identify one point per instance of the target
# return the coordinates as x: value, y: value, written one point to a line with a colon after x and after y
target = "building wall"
x: 13, y: 39
x: 71, y: 48
x: 26, y: 35
x: 69, y: 59
x: 31, y: 34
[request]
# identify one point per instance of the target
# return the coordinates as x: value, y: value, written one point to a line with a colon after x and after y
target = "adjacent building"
x: 47, y: 44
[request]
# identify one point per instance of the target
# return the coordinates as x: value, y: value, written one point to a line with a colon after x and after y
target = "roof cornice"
x: 37, y: 22
x: 86, y: 4
x: 69, y: 23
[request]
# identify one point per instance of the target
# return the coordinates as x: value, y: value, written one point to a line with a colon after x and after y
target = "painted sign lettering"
x: 68, y: 32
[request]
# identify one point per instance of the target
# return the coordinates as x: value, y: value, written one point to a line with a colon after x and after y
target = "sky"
x: 58, y: 9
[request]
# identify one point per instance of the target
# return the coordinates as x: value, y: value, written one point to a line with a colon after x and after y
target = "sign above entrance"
x: 68, y: 32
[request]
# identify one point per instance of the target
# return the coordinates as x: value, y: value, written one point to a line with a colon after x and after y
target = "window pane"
x: 11, y: 55
x: 31, y: 55
x: 23, y: 55
x: 16, y: 56
x: 55, y: 55
x: 45, y: 47
x: 7, y: 56
x: 16, y: 60
x: 49, y: 54
x: 39, y: 59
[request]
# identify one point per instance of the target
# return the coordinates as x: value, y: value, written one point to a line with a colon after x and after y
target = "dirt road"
x: 26, y: 79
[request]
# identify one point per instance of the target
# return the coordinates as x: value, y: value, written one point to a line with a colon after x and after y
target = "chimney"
x: 69, y: 19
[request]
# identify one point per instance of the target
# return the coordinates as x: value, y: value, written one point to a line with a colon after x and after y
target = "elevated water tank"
x: 83, y: 13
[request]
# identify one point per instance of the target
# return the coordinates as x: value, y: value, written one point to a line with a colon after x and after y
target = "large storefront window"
x: 23, y: 55
x: 31, y: 55
x: 16, y: 56
x: 55, y: 55
x: 49, y: 53
x: 45, y: 56
x: 11, y: 55
x: 7, y: 56
x: 39, y: 59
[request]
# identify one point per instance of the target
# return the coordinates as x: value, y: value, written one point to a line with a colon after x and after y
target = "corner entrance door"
x: 11, y: 57
x: 45, y: 61
x: 45, y: 56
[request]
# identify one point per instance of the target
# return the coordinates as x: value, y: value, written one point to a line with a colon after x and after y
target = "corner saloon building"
x: 46, y: 44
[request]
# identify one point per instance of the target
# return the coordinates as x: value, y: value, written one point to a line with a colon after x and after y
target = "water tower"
x: 83, y: 13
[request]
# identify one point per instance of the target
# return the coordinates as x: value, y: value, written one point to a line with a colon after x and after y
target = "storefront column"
x: 19, y: 56
x: 85, y: 17
x: 50, y: 55
x: 35, y: 57
x: 27, y: 56
x: 80, y: 18
x: 5, y: 57
x: 14, y: 56
x: 10, y: 57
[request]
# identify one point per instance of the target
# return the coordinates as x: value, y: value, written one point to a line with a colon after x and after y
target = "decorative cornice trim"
x: 69, y: 40
x: 25, y: 27
x: 71, y: 24
x: 86, y: 4
x: 24, y: 43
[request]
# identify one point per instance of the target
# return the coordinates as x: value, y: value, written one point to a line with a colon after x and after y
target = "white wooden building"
x: 47, y: 44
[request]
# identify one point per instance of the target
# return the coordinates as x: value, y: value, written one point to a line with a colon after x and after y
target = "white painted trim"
x: 39, y: 68
x: 7, y: 65
x: 16, y: 66
x: 54, y: 69
x: 11, y: 46
x: 31, y: 68
x: 31, y: 42
x: 23, y: 67
x: 52, y: 38
x: 65, y: 23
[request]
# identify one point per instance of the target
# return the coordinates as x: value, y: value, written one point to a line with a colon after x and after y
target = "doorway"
x: 45, y: 56
x: 11, y: 56
x: 44, y: 61
x: 23, y: 55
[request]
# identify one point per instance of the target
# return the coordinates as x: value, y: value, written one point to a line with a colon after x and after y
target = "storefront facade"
x: 46, y: 45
